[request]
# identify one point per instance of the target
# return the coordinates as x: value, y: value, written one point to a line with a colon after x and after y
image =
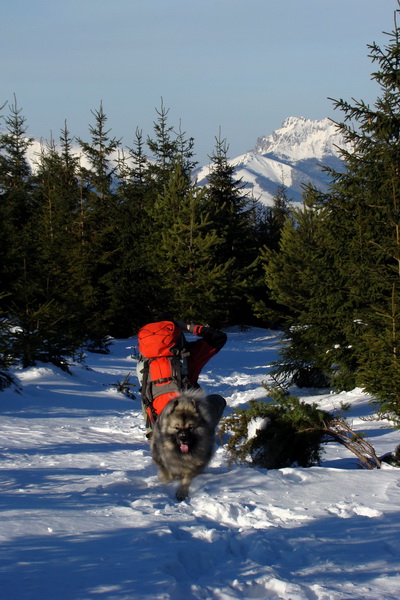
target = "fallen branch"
x: 340, y: 431
x: 123, y: 387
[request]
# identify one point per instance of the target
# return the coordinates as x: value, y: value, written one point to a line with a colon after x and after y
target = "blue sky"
x: 239, y: 66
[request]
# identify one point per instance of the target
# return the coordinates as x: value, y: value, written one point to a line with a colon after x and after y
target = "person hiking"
x: 169, y: 363
x: 200, y: 351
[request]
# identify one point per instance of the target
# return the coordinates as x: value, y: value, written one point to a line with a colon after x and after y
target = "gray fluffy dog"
x: 182, y: 443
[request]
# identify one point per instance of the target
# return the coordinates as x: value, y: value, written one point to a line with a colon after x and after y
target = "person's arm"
x: 214, y: 337
x: 200, y: 351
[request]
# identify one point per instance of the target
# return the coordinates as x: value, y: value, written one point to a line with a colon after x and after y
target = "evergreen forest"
x: 96, y: 246
x: 98, y: 242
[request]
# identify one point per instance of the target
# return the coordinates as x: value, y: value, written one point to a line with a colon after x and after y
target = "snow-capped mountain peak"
x: 300, y: 139
x: 291, y: 155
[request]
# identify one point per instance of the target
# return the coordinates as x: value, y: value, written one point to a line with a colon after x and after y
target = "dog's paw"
x: 182, y: 492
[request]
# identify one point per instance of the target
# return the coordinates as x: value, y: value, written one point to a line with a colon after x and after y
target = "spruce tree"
x: 345, y: 301
x: 15, y: 169
x: 232, y: 216
x: 163, y: 146
x: 57, y: 199
x: 365, y: 216
x: 16, y: 204
x: 166, y: 147
x: 299, y: 277
x: 230, y: 204
x: 57, y: 196
x: 188, y: 263
x: 95, y: 258
x: 99, y: 154
x: 19, y: 244
x: 278, y: 214
x: 267, y: 231
x: 133, y: 288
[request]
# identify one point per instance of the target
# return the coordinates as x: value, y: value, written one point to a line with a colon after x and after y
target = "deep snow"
x: 83, y: 515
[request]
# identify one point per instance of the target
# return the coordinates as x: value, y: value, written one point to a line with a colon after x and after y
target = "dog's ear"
x: 174, y: 404
x: 170, y: 407
x: 196, y: 407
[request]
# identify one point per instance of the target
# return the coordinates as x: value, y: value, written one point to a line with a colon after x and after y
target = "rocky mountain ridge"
x: 292, y: 155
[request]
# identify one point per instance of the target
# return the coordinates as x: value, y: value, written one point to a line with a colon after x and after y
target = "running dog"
x: 183, y: 438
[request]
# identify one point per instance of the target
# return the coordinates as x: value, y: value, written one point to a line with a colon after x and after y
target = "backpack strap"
x: 152, y: 389
x: 146, y: 394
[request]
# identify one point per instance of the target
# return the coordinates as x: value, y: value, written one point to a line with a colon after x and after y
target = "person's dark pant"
x: 216, y: 405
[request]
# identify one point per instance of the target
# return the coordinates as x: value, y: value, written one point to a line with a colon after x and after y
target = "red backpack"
x: 164, y: 365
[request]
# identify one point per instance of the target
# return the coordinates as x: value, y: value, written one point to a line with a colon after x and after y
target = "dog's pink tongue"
x: 184, y: 448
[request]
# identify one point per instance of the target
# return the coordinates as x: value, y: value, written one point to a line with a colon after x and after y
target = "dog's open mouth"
x: 184, y: 448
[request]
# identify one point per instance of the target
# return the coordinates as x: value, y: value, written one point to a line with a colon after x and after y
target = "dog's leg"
x: 163, y: 475
x: 183, y: 490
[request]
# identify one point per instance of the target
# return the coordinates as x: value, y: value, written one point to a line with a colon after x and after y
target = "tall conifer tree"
x: 16, y: 205
x: 95, y: 262
x: 348, y: 306
x: 267, y: 231
x: 365, y: 217
x: 194, y: 277
x: 166, y: 148
x: 56, y: 224
x: 232, y: 215
x: 134, y: 286
x: 302, y: 277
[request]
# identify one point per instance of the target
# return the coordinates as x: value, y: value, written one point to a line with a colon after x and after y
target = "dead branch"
x: 340, y: 432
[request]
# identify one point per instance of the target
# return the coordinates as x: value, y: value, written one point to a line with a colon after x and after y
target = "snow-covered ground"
x: 83, y: 515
